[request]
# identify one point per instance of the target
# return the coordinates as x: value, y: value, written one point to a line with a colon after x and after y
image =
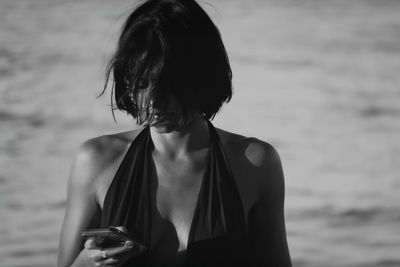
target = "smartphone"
x: 113, y: 237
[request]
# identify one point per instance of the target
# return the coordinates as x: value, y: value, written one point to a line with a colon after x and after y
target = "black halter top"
x: 217, y: 235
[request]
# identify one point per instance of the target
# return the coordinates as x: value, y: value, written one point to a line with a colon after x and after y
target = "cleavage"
x: 177, y: 191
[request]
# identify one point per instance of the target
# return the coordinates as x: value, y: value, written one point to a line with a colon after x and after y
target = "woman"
x: 192, y: 194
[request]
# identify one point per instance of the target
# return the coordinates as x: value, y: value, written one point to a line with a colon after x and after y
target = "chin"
x: 169, y: 125
x: 166, y: 126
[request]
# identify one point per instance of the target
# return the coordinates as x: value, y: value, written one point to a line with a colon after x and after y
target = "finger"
x: 100, y: 255
x: 110, y: 262
x: 128, y: 245
x: 89, y: 243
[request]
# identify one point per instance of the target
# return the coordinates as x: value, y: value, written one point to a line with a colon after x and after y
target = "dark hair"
x: 169, y: 48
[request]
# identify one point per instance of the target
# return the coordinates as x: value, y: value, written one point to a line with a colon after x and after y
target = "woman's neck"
x: 179, y: 143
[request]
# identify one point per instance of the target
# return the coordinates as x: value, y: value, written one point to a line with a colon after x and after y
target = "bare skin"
x: 179, y: 159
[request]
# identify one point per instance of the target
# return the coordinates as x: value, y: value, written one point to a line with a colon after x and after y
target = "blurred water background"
x: 318, y: 79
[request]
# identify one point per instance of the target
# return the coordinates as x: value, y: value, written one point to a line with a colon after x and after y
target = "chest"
x: 177, y: 186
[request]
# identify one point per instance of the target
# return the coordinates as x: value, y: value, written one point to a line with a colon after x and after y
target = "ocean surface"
x: 318, y: 79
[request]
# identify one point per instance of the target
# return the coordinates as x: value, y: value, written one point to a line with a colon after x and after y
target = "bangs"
x: 139, y: 82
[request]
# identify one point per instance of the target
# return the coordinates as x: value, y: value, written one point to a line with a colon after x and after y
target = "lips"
x: 165, y: 117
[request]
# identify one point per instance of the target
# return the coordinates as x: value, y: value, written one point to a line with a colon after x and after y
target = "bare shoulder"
x: 259, y: 153
x: 101, y: 149
x: 97, y: 155
x: 256, y: 165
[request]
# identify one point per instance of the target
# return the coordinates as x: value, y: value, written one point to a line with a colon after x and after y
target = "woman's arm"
x: 82, y: 210
x: 267, y: 223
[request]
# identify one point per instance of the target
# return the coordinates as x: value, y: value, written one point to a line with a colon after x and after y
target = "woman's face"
x: 167, y: 116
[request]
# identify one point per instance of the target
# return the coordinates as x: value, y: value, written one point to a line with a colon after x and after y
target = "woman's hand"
x: 93, y: 255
